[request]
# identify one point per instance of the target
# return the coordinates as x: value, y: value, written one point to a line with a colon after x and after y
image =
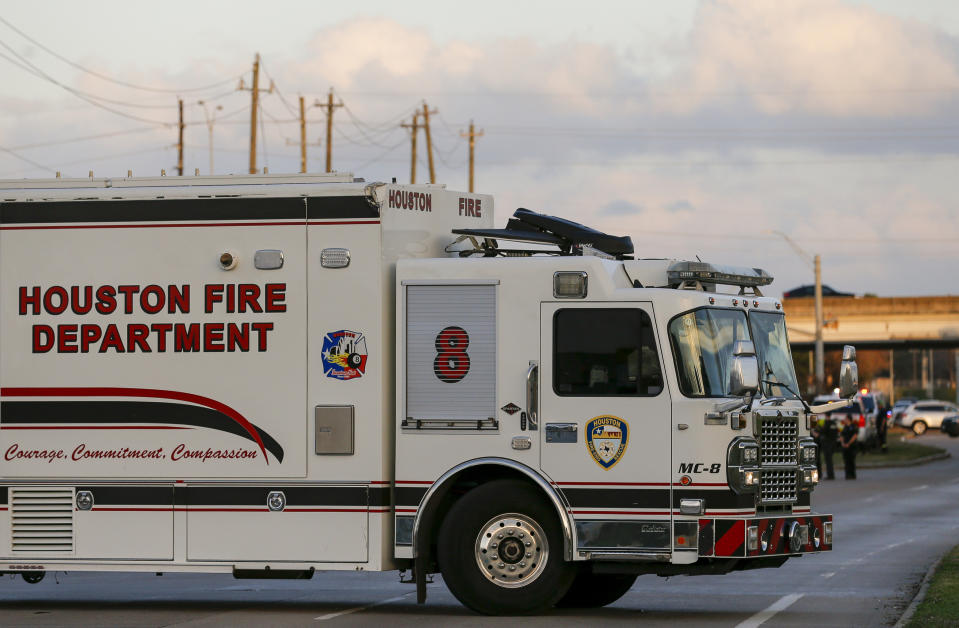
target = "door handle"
x: 532, y: 394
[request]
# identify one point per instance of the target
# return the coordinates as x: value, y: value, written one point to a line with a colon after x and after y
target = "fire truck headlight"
x: 750, y: 478
x: 810, y: 476
x: 809, y: 454
x: 750, y: 455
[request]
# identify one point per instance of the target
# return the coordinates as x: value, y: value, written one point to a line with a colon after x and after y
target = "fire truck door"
x: 604, y: 422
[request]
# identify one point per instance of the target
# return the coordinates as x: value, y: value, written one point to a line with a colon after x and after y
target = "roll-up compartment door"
x: 450, y: 352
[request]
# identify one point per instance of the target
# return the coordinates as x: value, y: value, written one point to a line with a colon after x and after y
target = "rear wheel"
x: 500, y: 550
x: 919, y: 428
x: 591, y: 590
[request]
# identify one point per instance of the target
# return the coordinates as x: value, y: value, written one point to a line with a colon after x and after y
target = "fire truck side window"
x: 703, y: 342
x: 605, y: 352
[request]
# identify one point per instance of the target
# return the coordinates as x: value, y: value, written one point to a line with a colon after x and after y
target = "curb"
x: 920, y: 595
x: 905, y: 463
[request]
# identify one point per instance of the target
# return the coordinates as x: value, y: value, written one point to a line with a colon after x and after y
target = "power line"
x: 84, y: 138
x: 26, y: 159
x: 40, y: 74
x: 109, y: 78
x: 288, y: 106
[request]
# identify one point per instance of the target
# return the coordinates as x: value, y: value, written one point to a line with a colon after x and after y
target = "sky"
x: 699, y: 128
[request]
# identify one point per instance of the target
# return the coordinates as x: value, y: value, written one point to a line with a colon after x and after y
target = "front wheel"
x: 919, y: 428
x: 591, y: 590
x: 500, y: 550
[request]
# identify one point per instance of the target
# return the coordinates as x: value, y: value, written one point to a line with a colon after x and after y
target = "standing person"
x: 882, y: 429
x: 827, y: 445
x: 847, y: 438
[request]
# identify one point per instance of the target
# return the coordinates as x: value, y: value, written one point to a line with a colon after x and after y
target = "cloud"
x: 678, y: 206
x: 822, y: 57
x: 619, y: 207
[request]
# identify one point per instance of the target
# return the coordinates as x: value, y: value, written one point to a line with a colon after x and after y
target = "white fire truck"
x: 272, y: 375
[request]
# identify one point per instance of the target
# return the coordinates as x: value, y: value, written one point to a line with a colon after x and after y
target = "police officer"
x: 824, y: 432
x: 882, y: 428
x: 847, y: 438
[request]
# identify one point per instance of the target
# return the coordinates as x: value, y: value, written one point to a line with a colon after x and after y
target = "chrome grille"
x: 778, y: 440
x: 777, y: 486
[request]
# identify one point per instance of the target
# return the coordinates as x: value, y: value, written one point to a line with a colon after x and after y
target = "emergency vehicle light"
x: 569, y: 285
x: 679, y: 272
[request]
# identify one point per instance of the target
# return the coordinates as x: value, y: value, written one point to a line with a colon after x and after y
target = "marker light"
x: 569, y: 285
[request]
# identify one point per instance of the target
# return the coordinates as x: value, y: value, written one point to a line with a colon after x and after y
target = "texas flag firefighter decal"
x: 606, y: 439
x: 344, y: 354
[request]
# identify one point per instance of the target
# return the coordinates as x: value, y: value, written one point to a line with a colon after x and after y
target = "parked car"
x: 809, y: 290
x: 867, y: 437
x: 950, y: 425
x: 900, y: 407
x: 922, y: 415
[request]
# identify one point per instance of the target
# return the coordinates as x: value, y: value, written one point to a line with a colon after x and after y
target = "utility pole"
x: 302, y: 136
x: 472, y: 135
x: 329, y: 106
x: 413, y: 126
x: 254, y: 107
x: 179, y: 144
x: 429, y: 142
x: 302, y: 141
x: 210, y: 120
x: 820, y: 365
x: 814, y: 261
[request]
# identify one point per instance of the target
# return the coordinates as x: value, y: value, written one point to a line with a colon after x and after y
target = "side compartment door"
x: 605, y: 423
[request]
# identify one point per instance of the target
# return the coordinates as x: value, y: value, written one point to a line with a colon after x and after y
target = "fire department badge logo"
x: 344, y: 354
x: 606, y: 439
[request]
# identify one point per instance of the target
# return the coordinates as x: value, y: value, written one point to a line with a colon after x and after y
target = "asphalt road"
x: 890, y: 526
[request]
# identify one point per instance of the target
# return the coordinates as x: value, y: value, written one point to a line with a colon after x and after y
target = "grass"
x: 901, y: 448
x: 941, y: 604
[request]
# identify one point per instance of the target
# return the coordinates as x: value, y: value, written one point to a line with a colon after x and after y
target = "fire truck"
x: 272, y: 375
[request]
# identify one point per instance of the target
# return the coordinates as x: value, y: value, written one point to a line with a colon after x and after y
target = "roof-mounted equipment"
x: 570, y: 238
x: 693, y: 274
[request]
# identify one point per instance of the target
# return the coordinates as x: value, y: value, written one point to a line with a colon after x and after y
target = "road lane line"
x: 829, y: 574
x: 764, y: 615
x: 920, y: 488
x: 357, y: 609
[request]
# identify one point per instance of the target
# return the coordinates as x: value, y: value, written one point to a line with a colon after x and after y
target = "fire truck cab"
x: 273, y: 375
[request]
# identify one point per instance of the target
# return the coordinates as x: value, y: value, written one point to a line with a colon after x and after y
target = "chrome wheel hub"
x: 511, y: 549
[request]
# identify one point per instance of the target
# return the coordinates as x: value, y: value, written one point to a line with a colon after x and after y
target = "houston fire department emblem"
x: 344, y: 354
x: 606, y: 439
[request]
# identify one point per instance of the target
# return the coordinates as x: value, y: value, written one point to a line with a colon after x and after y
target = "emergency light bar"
x: 679, y: 272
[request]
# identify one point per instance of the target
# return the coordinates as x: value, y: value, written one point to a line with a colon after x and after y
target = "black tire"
x: 491, y: 590
x: 591, y: 590
x: 919, y: 427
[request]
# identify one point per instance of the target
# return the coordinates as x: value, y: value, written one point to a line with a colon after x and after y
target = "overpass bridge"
x: 876, y: 322
x: 911, y: 331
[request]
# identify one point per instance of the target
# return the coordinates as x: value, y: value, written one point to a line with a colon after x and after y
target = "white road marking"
x: 829, y: 574
x: 919, y: 488
x: 357, y: 609
x: 764, y: 615
x: 871, y: 499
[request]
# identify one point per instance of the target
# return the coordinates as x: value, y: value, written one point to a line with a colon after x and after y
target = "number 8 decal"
x: 451, y: 363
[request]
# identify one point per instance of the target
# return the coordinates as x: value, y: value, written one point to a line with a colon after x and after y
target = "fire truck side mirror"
x: 743, y: 370
x: 848, y: 373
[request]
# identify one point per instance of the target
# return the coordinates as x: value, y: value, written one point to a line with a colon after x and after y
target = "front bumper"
x: 785, y: 535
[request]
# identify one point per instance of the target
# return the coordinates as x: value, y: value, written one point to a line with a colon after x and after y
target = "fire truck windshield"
x: 702, y: 342
x: 772, y: 349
